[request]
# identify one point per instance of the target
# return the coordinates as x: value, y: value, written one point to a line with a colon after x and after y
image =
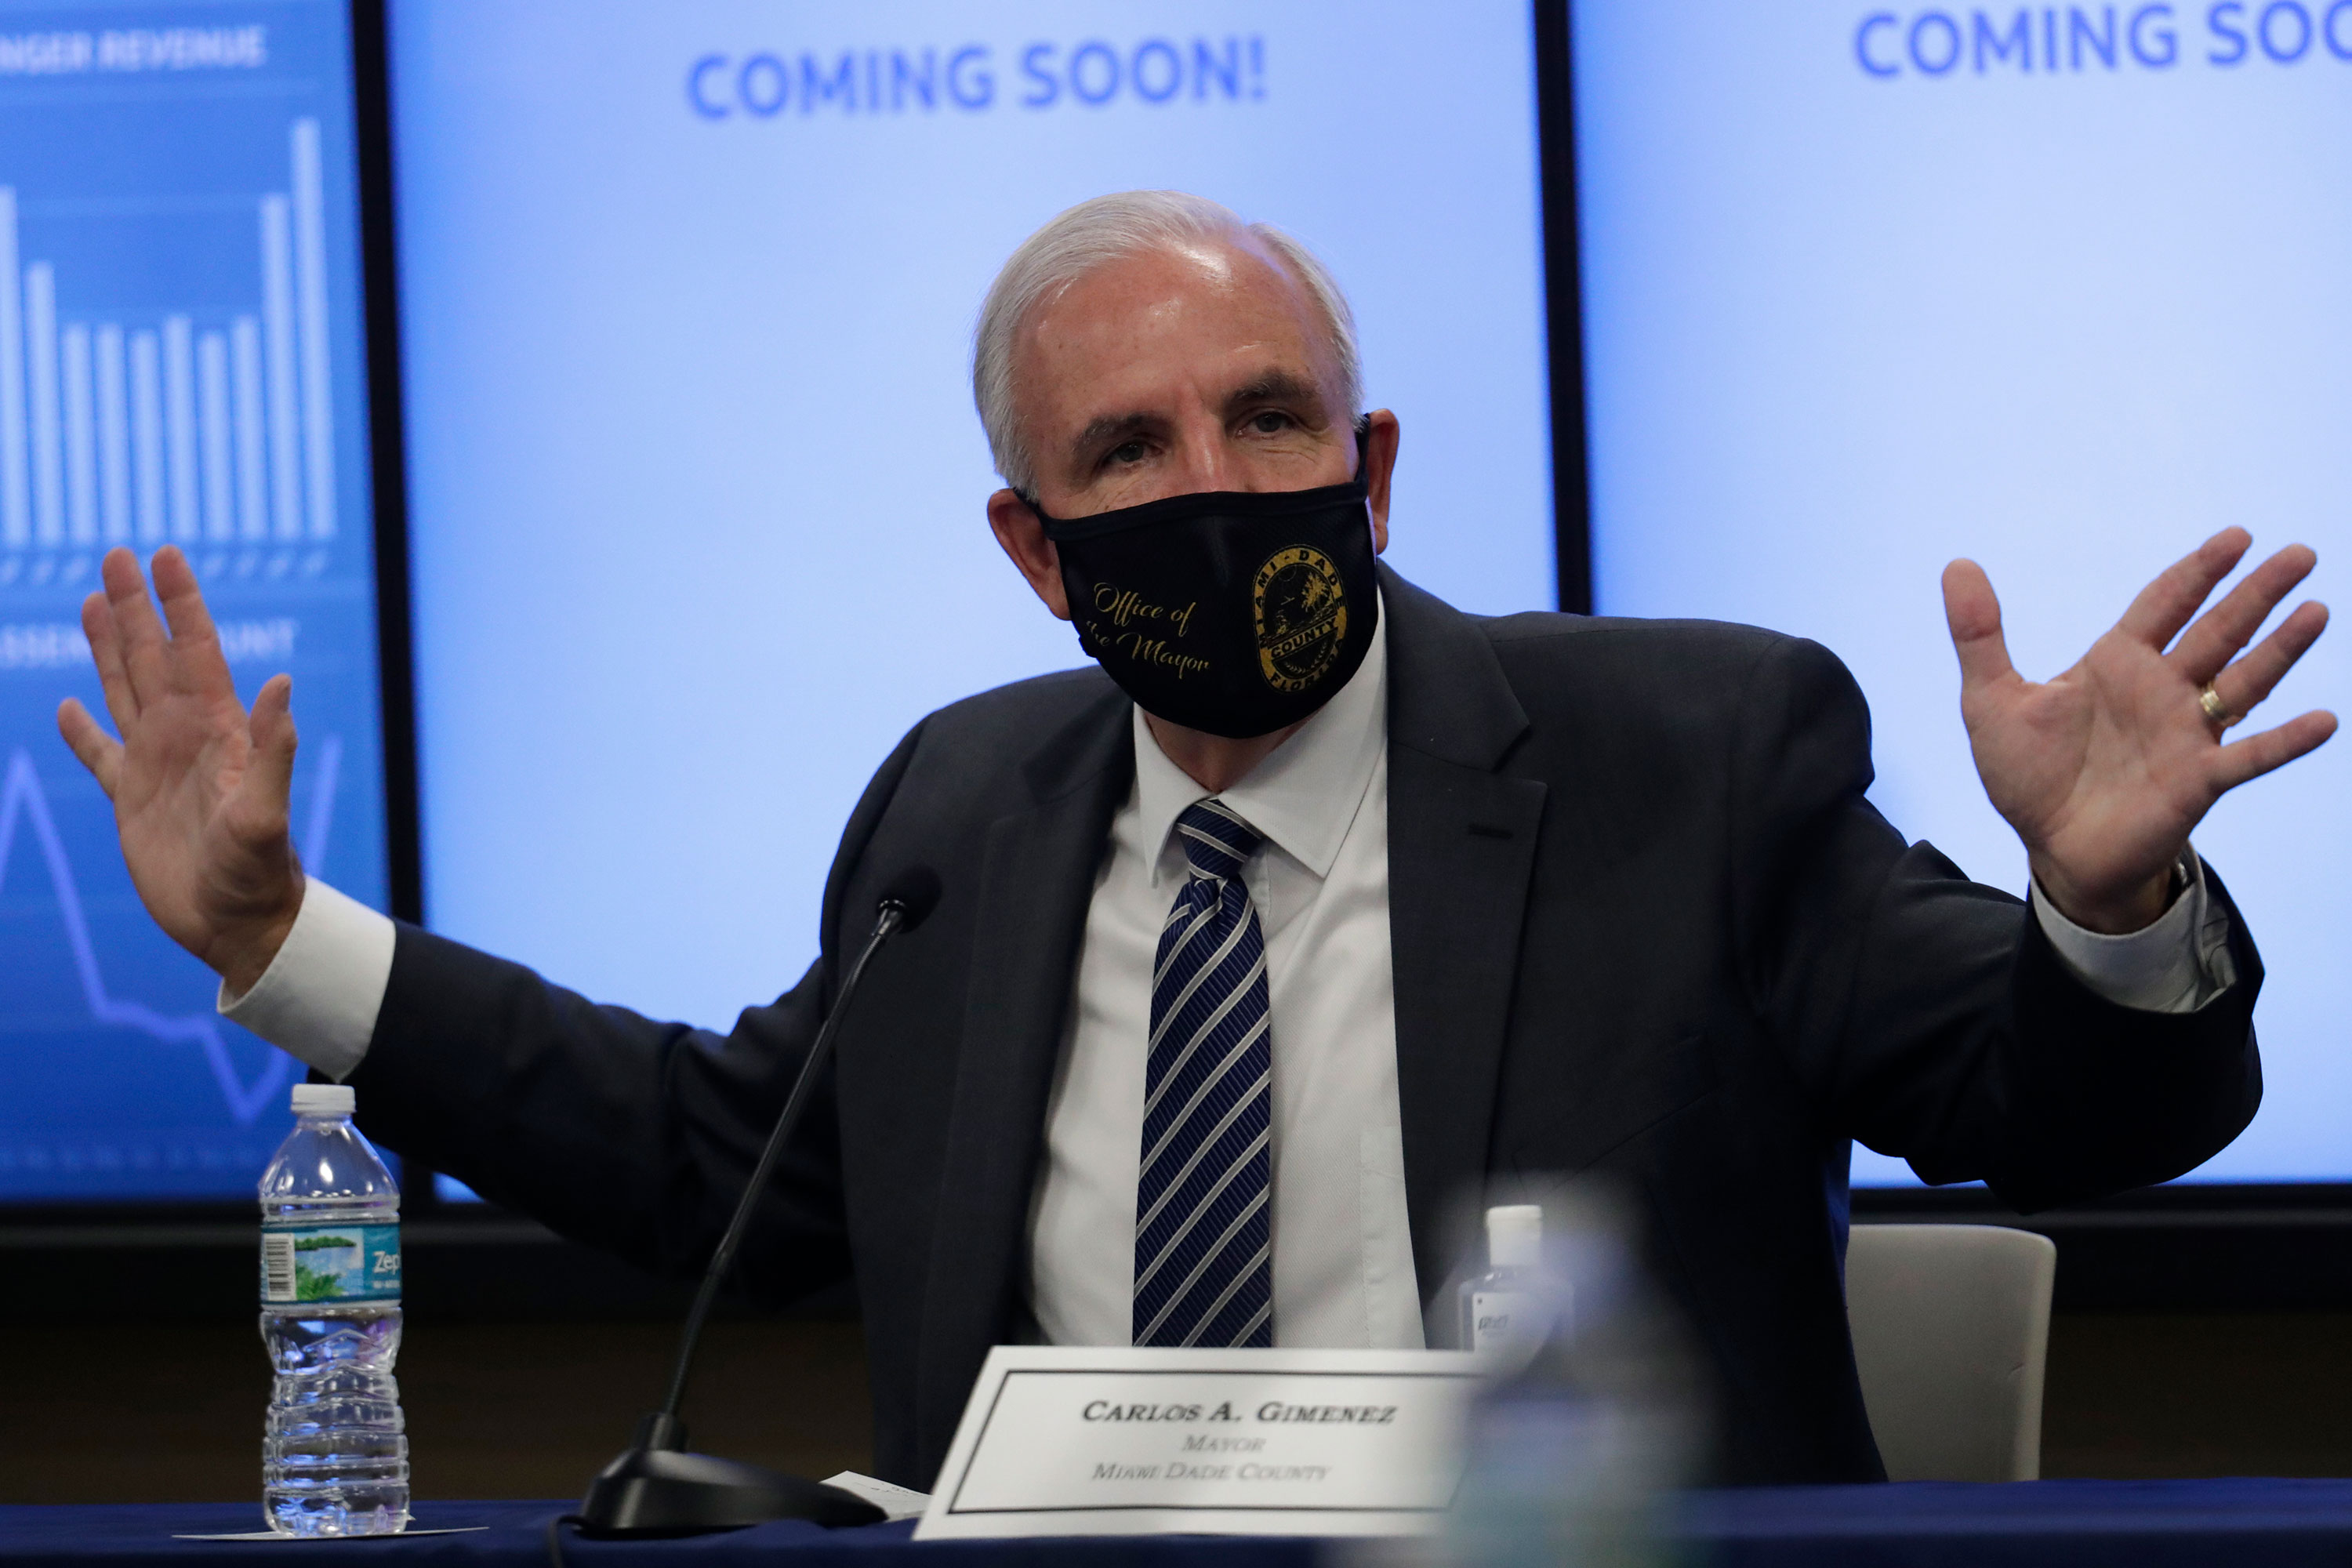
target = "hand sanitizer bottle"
x: 1576, y: 1447
x: 1508, y: 1307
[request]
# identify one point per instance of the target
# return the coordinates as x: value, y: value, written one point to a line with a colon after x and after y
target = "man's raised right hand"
x: 199, y: 785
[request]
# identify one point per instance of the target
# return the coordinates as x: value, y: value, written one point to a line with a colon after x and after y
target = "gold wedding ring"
x: 2215, y: 709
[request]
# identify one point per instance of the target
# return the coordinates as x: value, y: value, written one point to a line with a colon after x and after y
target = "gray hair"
x: 1105, y: 229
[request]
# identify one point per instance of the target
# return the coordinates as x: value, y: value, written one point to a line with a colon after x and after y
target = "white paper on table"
x: 895, y: 1502
x: 281, y: 1535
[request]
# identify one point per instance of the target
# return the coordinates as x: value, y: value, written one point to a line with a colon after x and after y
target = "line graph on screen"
x: 22, y: 801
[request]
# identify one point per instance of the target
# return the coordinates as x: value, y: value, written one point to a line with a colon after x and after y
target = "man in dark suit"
x: 1317, y: 907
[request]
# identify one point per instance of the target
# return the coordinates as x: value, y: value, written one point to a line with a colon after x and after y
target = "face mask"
x: 1237, y: 612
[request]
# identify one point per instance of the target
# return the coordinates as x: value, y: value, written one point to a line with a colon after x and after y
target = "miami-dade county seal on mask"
x: 1233, y: 612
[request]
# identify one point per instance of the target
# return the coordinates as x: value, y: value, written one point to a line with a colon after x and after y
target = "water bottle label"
x: 331, y: 1263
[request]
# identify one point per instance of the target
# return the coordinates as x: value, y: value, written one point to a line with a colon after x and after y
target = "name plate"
x: 1066, y: 1441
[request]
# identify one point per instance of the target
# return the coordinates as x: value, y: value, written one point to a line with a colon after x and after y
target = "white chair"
x: 1951, y: 1326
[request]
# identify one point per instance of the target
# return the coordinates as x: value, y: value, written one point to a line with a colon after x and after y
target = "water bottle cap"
x: 1515, y: 1236
x: 324, y: 1100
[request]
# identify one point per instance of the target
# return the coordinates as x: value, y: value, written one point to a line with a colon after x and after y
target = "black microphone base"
x: 650, y: 1491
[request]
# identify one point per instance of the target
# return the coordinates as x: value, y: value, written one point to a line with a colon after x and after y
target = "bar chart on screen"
x: 212, y: 431
x: 182, y: 362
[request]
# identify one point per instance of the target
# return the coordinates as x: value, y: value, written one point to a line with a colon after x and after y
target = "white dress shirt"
x: 1343, y: 1274
x: 1343, y: 1269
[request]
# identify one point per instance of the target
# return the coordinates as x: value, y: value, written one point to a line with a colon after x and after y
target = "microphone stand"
x: 655, y: 1487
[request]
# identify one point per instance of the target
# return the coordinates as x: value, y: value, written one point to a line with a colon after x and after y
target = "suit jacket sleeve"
x: 1929, y: 1015
x: 616, y: 1131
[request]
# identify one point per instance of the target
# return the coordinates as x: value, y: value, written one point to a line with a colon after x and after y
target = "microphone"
x: 656, y: 1487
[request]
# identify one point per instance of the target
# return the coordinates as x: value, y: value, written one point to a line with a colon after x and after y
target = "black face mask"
x: 1238, y: 613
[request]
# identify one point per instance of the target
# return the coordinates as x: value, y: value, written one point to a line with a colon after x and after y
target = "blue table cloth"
x: 2081, y: 1524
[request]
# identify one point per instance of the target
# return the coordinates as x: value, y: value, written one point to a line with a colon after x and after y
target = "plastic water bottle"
x: 1575, y: 1451
x: 334, y: 1459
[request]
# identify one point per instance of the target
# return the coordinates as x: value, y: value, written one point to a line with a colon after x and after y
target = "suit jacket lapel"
x: 1037, y: 877
x: 1461, y: 845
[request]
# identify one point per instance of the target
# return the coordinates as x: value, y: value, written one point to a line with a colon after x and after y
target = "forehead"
x: 1156, y: 325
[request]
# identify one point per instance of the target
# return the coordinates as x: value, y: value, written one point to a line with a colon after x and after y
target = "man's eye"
x: 1126, y: 452
x: 1269, y: 423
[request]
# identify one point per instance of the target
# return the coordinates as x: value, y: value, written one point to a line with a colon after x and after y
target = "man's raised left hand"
x: 2104, y: 771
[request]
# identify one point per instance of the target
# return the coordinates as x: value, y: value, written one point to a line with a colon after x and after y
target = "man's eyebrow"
x: 1269, y: 386
x: 1111, y: 428
x: 1275, y: 386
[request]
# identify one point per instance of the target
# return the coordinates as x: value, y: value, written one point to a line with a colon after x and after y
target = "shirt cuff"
x: 318, y: 1000
x: 2176, y: 965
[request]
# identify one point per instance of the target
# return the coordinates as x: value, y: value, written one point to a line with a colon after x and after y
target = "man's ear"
x: 1024, y: 538
x: 1381, y: 435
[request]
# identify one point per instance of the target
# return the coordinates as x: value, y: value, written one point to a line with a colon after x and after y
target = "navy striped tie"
x: 1204, y: 1236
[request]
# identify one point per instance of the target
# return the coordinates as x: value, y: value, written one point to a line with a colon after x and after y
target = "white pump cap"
x: 1515, y: 1236
x: 324, y: 1100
